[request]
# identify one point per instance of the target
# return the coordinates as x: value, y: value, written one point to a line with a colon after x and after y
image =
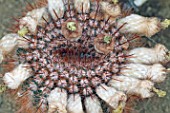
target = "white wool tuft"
x: 14, y: 78
x: 57, y: 6
x: 132, y: 86
x: 158, y: 73
x: 93, y: 105
x: 113, y: 10
x: 32, y: 19
x: 57, y: 101
x: 74, y: 104
x: 78, y: 5
x: 30, y: 23
x: 8, y: 43
x: 155, y: 72
x: 137, y: 24
x: 145, y: 88
x: 37, y: 13
x: 111, y: 96
x: 1, y: 56
x: 162, y: 53
x: 23, y: 43
x: 158, y: 54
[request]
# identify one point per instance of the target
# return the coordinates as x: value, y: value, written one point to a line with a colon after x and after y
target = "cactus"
x: 77, y: 53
